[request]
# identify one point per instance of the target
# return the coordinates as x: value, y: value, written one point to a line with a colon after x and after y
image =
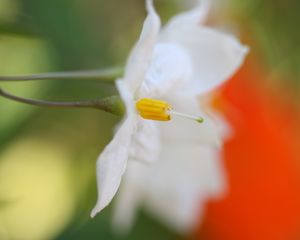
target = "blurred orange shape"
x: 263, y: 200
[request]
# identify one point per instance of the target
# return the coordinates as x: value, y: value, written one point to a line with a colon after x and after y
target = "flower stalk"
x: 107, y: 75
x: 112, y: 104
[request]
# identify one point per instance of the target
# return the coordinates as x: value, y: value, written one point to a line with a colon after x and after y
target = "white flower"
x: 173, y: 64
x: 176, y: 188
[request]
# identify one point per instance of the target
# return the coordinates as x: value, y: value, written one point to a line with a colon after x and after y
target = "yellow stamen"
x: 153, y: 109
x: 158, y: 110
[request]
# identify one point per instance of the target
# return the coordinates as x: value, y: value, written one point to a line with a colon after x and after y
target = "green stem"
x: 107, y: 75
x: 111, y: 104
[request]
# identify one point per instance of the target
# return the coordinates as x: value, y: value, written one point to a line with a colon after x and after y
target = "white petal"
x: 180, y: 184
x: 195, y: 16
x: 111, y: 165
x: 126, y: 96
x: 169, y: 71
x: 145, y: 142
x: 224, y: 128
x: 140, y: 57
x: 215, y: 56
x: 129, y: 198
x: 184, y: 130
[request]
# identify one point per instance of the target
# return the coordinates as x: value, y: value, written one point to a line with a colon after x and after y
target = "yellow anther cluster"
x: 153, y: 109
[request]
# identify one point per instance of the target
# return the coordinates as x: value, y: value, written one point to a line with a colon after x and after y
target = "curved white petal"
x: 146, y: 142
x: 173, y: 190
x: 111, y: 165
x: 215, y: 56
x: 169, y: 71
x: 184, y: 130
x: 141, y: 55
x: 129, y: 198
x: 197, y: 15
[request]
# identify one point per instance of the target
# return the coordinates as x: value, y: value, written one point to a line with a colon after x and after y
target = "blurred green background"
x: 47, y: 156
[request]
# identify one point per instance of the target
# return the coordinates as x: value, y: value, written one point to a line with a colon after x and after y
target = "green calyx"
x: 113, y: 104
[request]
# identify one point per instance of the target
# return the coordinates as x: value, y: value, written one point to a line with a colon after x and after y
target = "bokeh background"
x: 47, y: 156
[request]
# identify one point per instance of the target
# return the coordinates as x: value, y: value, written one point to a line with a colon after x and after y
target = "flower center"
x: 153, y: 109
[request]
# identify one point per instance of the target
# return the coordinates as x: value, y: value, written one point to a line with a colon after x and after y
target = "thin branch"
x: 110, y: 104
x: 108, y: 75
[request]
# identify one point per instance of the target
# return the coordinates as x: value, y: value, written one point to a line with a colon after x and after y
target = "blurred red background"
x: 261, y: 159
